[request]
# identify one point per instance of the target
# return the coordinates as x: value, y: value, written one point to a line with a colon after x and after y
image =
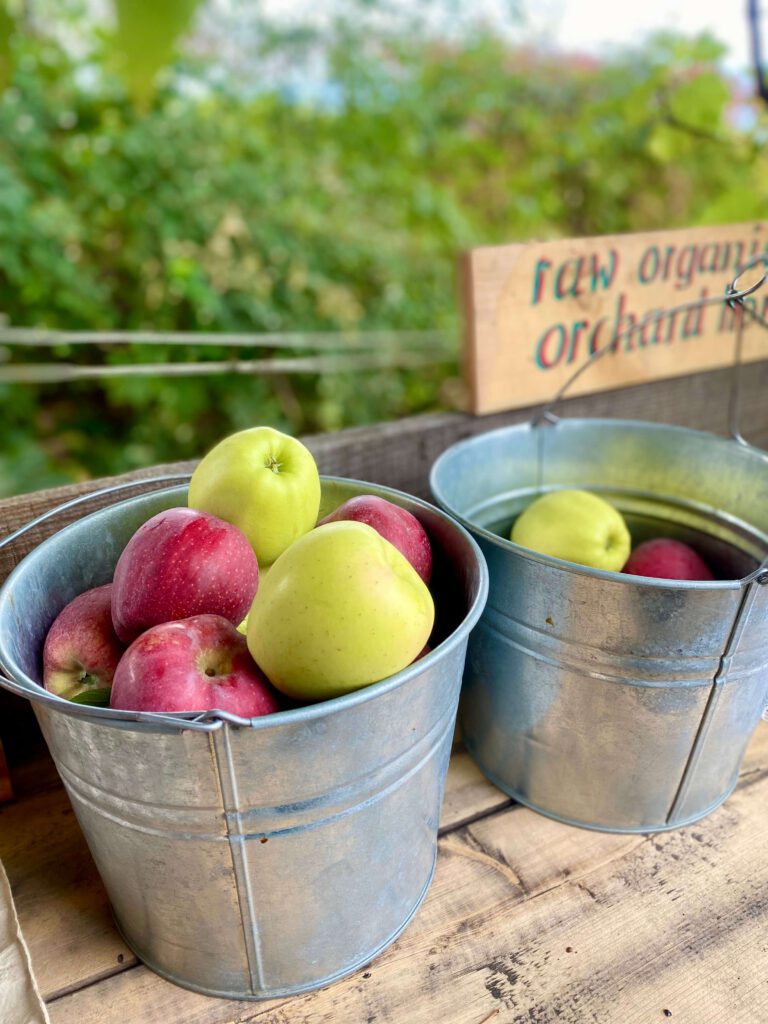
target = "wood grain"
x: 400, y: 454
x: 532, y: 922
x: 61, y: 902
x: 468, y: 794
x: 671, y: 922
x: 535, y: 313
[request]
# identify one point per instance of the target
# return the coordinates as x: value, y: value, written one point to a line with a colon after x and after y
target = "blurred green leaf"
x: 663, y: 143
x: 699, y: 102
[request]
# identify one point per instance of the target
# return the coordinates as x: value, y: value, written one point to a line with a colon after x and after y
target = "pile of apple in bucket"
x: 242, y: 601
x: 579, y: 526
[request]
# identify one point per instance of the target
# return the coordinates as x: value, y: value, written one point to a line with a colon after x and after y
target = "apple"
x: 399, y: 526
x: 264, y: 482
x: 577, y: 526
x: 81, y: 649
x: 196, y: 664
x: 182, y: 562
x: 667, y: 559
x: 426, y: 649
x: 340, y: 609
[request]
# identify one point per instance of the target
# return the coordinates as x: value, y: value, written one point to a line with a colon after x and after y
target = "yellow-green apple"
x: 577, y: 526
x: 667, y: 559
x: 81, y: 649
x: 399, y: 526
x: 263, y: 481
x: 182, y: 562
x: 196, y: 664
x: 340, y: 609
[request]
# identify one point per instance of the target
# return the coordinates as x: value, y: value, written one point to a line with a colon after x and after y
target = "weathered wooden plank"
x: 400, y: 454
x: 397, y: 454
x: 535, y: 921
x: 756, y: 754
x: 536, y: 312
x: 63, y: 909
x: 61, y: 902
x: 468, y: 794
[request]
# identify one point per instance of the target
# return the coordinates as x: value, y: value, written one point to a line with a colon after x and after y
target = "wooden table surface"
x: 527, y: 921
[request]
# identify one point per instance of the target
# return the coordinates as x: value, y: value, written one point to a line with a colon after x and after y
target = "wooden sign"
x: 537, y: 312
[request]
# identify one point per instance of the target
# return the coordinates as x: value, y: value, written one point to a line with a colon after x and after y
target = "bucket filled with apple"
x: 249, y: 688
x: 621, y: 663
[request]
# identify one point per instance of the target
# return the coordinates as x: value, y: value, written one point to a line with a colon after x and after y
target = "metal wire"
x: 734, y: 297
x: 35, y: 337
x: 57, y: 373
x: 82, y: 499
x: 330, y: 352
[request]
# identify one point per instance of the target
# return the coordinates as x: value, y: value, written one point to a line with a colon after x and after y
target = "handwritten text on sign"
x: 537, y: 312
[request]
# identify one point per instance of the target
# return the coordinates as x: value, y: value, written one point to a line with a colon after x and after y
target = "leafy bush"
x: 217, y: 209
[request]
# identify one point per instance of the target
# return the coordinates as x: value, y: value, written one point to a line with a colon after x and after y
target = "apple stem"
x: 273, y: 464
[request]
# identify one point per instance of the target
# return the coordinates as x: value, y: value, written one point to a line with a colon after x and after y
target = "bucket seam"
x: 440, y: 729
x: 741, y: 618
x: 687, y: 681
x: 227, y: 778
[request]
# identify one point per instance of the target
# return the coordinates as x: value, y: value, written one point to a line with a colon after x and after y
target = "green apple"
x: 577, y: 526
x: 263, y: 481
x: 340, y: 609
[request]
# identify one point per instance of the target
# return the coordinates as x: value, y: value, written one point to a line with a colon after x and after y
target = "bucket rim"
x: 24, y: 686
x: 527, y: 426
x: 568, y: 422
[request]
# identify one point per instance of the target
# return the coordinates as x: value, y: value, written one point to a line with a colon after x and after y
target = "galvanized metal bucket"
x: 253, y: 859
x: 605, y: 700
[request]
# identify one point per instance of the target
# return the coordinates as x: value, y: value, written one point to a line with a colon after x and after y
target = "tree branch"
x: 753, y: 20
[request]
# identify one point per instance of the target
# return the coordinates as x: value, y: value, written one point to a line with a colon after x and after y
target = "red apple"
x: 180, y: 563
x: 395, y: 524
x: 195, y: 664
x: 81, y: 650
x: 667, y: 559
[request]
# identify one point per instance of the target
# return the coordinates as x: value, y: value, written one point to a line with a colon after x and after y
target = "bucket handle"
x: 208, y: 721
x: 734, y: 297
x: 83, y: 499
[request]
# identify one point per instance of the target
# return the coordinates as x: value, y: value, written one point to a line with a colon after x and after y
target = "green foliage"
x: 219, y: 208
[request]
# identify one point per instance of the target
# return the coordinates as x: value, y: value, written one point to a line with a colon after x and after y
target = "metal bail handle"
x: 208, y: 721
x: 760, y: 579
x: 83, y: 499
x: 735, y: 294
x: 751, y: 583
